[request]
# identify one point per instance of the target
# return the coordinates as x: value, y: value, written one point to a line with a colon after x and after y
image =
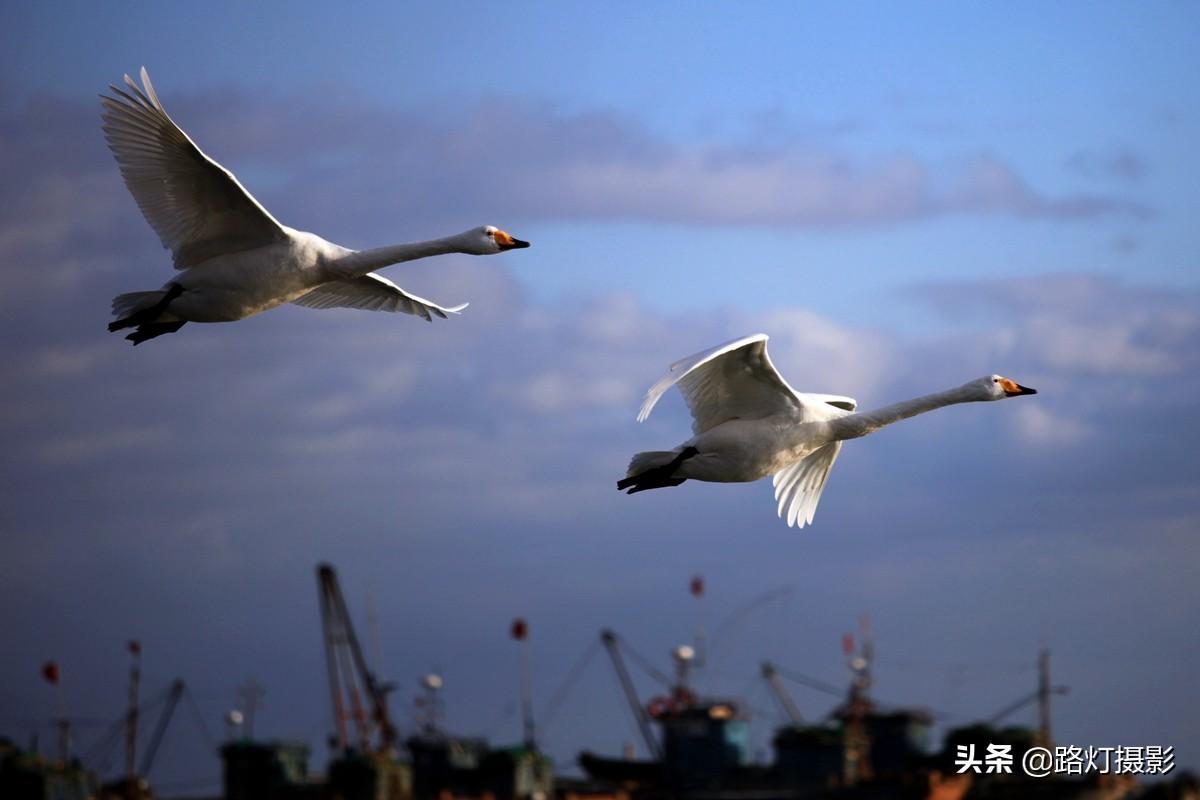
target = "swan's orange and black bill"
x: 1014, y: 389
x: 506, y: 242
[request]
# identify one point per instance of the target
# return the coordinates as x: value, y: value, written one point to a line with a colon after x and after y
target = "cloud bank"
x: 531, y: 159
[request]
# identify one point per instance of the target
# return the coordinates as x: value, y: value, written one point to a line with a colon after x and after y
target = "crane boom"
x: 771, y: 675
x: 348, y: 667
x: 161, y: 728
x: 609, y: 639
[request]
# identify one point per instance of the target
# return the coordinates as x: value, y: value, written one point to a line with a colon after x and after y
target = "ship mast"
x: 520, y: 633
x: 131, y: 720
x: 857, y: 765
x: 1041, y: 695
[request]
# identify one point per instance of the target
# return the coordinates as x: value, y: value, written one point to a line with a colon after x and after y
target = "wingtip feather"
x: 149, y: 87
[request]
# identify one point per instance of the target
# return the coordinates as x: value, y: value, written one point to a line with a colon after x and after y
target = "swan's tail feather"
x: 142, y: 310
x: 124, y: 306
x: 654, y: 469
x: 649, y: 460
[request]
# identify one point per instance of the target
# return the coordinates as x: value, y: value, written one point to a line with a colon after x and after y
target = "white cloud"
x: 1105, y: 346
x: 70, y: 361
x: 1040, y: 427
x: 559, y: 392
x: 1075, y: 325
x: 93, y: 446
x: 815, y: 354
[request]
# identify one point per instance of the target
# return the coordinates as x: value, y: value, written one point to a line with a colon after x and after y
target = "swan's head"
x: 996, y: 387
x: 487, y: 240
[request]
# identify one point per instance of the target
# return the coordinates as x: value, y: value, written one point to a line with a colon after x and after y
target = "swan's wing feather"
x: 373, y: 292
x: 731, y: 380
x: 196, y: 206
x: 798, y: 487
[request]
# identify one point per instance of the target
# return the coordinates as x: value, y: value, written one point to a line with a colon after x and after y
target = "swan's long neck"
x: 853, y: 426
x: 364, y: 261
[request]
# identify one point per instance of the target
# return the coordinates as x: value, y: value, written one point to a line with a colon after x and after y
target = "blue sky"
x: 902, y: 201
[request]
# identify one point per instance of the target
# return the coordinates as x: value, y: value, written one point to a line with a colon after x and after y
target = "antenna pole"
x: 520, y: 632
x: 857, y: 767
x: 373, y: 626
x: 526, y: 697
x: 131, y: 725
x: 250, y: 694
x: 1040, y: 695
x: 696, y: 587
x: 1043, y: 696
x: 64, y: 739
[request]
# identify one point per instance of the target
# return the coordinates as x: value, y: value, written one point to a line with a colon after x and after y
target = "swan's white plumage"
x: 196, y: 206
x: 717, y: 389
x: 798, y: 487
x: 373, y: 292
x: 735, y: 380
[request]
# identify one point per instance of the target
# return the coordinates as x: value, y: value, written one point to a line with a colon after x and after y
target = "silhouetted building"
x: 29, y: 776
x: 266, y: 771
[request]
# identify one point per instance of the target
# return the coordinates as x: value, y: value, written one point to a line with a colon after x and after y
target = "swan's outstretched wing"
x: 373, y: 292
x: 835, y: 400
x: 798, y: 487
x: 196, y: 206
x: 731, y: 380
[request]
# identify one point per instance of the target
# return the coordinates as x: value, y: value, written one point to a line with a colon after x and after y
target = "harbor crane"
x: 782, y: 695
x: 133, y: 783
x: 358, y: 695
x: 174, y: 694
x: 640, y: 715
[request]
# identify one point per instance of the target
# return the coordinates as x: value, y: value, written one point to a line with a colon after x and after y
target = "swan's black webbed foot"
x: 149, y: 330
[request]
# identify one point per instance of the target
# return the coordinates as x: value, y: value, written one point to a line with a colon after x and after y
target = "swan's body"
x: 749, y: 423
x: 234, y: 259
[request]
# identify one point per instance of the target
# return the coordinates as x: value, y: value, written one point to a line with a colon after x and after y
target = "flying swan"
x: 234, y: 258
x: 749, y: 423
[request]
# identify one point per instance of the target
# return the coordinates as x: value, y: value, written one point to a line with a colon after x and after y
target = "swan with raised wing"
x: 749, y: 423
x: 233, y: 258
